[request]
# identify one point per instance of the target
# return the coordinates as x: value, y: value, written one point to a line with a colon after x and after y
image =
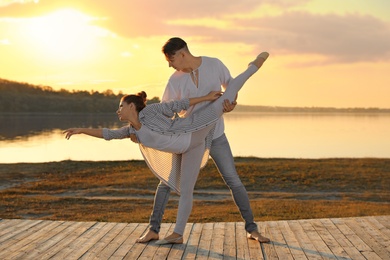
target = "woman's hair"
x: 173, y: 45
x: 139, y: 100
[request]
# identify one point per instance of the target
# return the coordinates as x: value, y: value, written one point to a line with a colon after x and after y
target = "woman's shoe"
x: 165, y: 241
x: 260, y: 59
x: 263, y: 55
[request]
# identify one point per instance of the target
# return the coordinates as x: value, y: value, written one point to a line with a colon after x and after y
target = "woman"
x: 184, y: 142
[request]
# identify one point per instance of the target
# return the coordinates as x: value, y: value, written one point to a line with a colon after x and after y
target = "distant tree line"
x: 276, y: 109
x: 17, y: 97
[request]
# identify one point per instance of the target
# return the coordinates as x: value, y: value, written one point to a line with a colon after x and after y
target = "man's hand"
x: 133, y: 138
x: 227, y: 106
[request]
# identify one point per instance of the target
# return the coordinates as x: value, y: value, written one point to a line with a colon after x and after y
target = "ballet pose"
x: 179, y: 138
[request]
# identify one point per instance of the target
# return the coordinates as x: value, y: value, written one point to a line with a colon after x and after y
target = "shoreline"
x: 236, y: 158
x: 117, y: 191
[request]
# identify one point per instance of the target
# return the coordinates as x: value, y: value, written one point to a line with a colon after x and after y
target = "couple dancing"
x: 175, y: 148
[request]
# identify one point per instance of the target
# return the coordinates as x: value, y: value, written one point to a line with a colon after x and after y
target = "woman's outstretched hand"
x: 71, y: 131
x: 95, y: 132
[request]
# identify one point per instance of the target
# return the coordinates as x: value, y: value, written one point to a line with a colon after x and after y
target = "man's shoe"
x: 148, y: 236
x: 255, y: 235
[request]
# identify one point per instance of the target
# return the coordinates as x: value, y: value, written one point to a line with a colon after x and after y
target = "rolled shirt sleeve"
x: 121, y: 133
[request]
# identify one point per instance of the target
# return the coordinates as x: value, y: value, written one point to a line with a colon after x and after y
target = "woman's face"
x: 123, y: 111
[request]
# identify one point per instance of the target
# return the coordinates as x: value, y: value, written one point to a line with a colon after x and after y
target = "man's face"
x: 176, y: 61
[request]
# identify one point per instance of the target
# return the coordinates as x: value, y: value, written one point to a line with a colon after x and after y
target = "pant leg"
x: 234, y: 87
x: 160, y: 201
x: 223, y: 158
x: 163, y: 191
x: 190, y: 167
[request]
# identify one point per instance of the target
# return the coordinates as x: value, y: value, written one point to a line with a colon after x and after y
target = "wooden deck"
x: 335, y: 238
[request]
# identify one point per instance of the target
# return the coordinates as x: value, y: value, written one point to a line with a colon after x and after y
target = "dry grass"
x: 123, y: 191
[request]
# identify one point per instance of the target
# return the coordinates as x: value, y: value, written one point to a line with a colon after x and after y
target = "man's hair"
x: 173, y: 45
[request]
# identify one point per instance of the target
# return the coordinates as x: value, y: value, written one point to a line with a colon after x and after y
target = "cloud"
x: 10, y: 2
x: 348, y: 38
x: 339, y: 38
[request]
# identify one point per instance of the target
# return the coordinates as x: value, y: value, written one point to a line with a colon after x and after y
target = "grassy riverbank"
x: 123, y: 191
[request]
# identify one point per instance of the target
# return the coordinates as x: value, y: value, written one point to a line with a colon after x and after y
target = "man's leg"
x: 160, y: 201
x: 223, y: 158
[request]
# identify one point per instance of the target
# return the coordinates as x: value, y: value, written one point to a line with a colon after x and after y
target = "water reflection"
x: 39, y: 138
x: 21, y: 127
x: 309, y: 135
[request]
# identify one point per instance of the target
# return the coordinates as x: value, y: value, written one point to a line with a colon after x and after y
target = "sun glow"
x: 65, y: 34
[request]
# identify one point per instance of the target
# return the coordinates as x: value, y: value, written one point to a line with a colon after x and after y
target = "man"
x: 194, y: 77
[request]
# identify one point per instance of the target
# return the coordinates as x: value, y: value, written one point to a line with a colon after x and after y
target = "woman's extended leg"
x: 212, y: 112
x: 238, y: 82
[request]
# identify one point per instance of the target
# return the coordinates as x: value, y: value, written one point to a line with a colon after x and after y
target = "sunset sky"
x: 324, y: 53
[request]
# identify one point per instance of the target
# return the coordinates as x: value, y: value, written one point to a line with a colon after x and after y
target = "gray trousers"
x: 223, y: 158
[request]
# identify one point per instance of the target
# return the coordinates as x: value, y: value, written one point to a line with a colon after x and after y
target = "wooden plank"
x: 17, y: 227
x: 116, y: 243
x: 242, y: 246
x: 85, y: 240
x: 370, y: 236
x: 336, y: 238
x: 281, y: 247
x: 291, y: 241
x: 381, y: 238
x: 268, y: 249
x: 70, y: 238
x: 216, y: 247
x: 205, y: 241
x: 384, y: 220
x: 103, y: 242
x: 316, y: 239
x: 25, y: 246
x: 356, y: 241
x: 51, y: 239
x: 378, y: 225
x: 343, y: 241
x: 129, y: 243
x: 304, y: 241
x: 229, y: 243
x: 8, y: 225
x: 17, y: 240
x: 177, y: 250
x: 329, y: 240
x: 192, y: 242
